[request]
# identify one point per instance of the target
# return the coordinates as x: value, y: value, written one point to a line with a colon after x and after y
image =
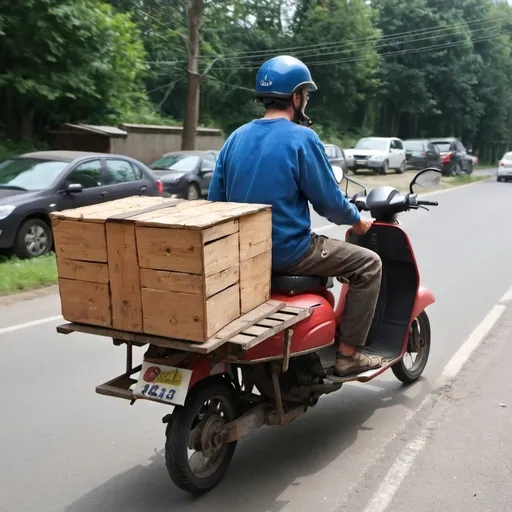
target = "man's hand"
x: 362, y: 226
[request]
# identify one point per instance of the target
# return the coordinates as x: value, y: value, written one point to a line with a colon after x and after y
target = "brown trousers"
x: 357, y: 266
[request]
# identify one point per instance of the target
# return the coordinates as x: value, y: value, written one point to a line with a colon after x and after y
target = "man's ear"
x: 296, y: 100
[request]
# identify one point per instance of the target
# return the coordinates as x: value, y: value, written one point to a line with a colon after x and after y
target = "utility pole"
x: 194, y: 79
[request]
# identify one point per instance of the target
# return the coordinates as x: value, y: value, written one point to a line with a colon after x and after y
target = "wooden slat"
x: 220, y: 281
x: 267, y: 322
x: 171, y: 281
x: 220, y: 255
x: 255, y: 234
x: 155, y: 207
x: 282, y: 316
x: 147, y: 219
x: 82, y: 270
x: 221, y: 309
x: 247, y: 343
x: 85, y: 241
x: 123, y: 269
x: 255, y: 330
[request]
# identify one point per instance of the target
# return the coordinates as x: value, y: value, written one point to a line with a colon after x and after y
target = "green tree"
x: 67, y: 60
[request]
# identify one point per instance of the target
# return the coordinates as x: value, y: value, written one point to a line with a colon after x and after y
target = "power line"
x: 323, y: 46
x: 375, y: 47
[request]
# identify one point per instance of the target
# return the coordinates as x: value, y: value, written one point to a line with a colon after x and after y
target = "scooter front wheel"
x: 195, y: 456
x: 418, y: 345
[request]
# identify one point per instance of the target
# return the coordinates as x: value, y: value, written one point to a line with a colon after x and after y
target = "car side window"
x: 208, y: 163
x: 461, y: 147
x: 392, y: 145
x: 398, y: 144
x: 433, y: 149
x: 119, y: 171
x: 87, y: 174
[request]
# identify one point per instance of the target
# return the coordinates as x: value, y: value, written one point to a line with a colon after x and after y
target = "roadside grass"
x: 21, y: 275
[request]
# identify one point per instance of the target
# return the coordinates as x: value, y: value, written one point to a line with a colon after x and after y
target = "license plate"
x: 360, y: 162
x: 162, y: 383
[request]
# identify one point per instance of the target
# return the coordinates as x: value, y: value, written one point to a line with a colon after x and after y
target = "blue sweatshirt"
x: 277, y: 162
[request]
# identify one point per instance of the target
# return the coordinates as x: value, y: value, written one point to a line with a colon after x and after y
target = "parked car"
x: 454, y: 156
x: 378, y: 154
x: 504, y: 172
x: 421, y: 153
x: 186, y: 174
x: 35, y: 184
x: 338, y: 157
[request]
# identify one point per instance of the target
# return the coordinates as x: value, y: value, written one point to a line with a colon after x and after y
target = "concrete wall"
x: 143, y: 142
x: 147, y: 143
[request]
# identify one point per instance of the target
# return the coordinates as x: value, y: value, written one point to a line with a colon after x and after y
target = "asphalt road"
x: 65, y: 448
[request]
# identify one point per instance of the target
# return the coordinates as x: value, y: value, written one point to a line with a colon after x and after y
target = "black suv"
x: 35, y: 184
x: 455, y: 159
x: 186, y: 174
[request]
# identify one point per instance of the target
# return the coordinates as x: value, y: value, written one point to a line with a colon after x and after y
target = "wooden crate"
x: 182, y: 269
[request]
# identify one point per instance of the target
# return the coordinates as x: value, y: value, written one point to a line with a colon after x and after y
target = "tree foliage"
x: 412, y: 68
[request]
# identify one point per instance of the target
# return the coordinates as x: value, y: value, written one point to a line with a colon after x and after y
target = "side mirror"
x: 73, y: 188
x: 338, y: 173
x: 428, y: 178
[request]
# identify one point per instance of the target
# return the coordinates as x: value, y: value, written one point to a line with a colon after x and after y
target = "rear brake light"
x: 502, y: 164
x: 446, y: 158
x: 159, y: 187
x: 423, y: 154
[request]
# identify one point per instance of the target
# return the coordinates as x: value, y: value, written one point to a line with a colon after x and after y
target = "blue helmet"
x: 281, y: 76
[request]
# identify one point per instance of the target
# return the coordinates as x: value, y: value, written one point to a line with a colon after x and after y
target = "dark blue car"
x: 35, y: 184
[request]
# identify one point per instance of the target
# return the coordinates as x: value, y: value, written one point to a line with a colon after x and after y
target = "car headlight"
x: 377, y: 157
x: 6, y: 210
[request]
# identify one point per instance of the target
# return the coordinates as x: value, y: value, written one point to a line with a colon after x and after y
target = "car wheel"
x: 192, y: 192
x: 470, y: 168
x: 384, y: 169
x: 456, y: 169
x: 34, y: 239
x: 402, y: 168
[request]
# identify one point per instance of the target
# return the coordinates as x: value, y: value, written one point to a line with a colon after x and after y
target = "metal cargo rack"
x: 244, y: 333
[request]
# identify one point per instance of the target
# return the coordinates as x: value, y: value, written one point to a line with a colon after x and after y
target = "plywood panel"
x: 174, y: 315
x: 78, y: 240
x: 221, y: 254
x: 178, y: 250
x: 222, y: 309
x: 222, y: 280
x: 255, y: 234
x: 171, y: 281
x: 86, y: 303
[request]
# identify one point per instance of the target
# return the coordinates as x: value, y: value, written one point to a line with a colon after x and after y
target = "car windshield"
x: 413, y: 145
x: 175, y: 163
x: 444, y: 147
x: 508, y: 156
x: 29, y: 173
x: 372, y: 144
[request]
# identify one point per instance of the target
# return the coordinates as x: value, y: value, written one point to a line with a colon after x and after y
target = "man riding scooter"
x: 276, y: 161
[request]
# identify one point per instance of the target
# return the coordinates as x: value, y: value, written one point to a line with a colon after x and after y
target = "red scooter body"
x: 317, y: 331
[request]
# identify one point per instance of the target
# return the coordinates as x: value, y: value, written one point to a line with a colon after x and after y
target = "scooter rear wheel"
x: 411, y: 374
x: 195, y: 456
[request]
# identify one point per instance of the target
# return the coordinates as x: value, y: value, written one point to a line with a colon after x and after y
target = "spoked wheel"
x: 411, y: 366
x: 195, y: 455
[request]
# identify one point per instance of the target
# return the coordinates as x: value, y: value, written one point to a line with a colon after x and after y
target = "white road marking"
x: 405, y: 460
x: 398, y: 471
x: 466, y: 349
x: 507, y: 297
x: 17, y: 327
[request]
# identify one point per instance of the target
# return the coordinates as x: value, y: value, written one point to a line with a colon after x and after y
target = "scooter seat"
x: 293, y: 285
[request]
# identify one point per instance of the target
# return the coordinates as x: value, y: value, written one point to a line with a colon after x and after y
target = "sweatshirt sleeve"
x: 317, y: 182
x: 217, y: 189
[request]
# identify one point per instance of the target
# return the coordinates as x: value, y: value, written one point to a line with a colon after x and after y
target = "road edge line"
x: 17, y: 327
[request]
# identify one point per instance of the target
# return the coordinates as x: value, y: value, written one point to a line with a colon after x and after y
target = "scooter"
x: 221, y: 396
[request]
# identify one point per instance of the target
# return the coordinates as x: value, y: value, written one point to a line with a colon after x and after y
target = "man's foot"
x: 355, y: 363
